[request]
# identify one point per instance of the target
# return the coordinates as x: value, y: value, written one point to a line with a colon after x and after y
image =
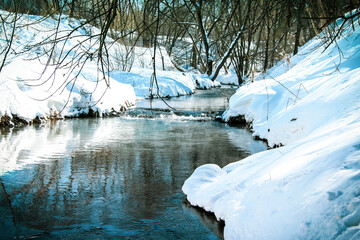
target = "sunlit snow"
x: 310, y: 187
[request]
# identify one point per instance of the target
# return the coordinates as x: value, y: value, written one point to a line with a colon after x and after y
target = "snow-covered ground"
x: 170, y: 83
x: 310, y: 187
x: 229, y: 78
x: 31, y: 87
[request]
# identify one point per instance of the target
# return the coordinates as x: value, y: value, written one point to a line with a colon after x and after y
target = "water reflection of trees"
x: 208, y: 219
x: 100, y: 179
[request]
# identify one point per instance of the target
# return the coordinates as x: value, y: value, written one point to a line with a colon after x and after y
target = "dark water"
x: 113, y: 178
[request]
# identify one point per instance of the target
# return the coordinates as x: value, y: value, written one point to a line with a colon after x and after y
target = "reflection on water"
x: 109, y: 178
x: 208, y: 219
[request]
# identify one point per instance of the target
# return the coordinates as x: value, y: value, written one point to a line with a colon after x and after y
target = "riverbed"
x: 117, y: 177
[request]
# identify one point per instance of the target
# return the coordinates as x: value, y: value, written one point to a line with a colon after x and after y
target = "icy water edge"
x: 116, y: 178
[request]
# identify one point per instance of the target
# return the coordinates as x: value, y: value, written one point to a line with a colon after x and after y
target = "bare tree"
x: 210, y: 35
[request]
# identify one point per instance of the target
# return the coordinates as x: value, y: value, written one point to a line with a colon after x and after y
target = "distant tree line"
x: 250, y: 36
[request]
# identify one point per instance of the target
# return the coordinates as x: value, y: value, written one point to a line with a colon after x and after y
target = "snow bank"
x: 170, y: 83
x: 204, y: 82
x: 309, y: 188
x: 229, y: 78
x: 30, y: 99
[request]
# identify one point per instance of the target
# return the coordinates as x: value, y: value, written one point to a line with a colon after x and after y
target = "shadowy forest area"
x: 208, y: 36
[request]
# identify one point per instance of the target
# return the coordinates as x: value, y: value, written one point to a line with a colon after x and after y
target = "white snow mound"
x: 309, y: 188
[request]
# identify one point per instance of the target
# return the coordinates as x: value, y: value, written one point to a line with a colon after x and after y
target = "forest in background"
x: 244, y: 35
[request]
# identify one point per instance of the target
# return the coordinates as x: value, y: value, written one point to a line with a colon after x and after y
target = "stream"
x: 117, y: 177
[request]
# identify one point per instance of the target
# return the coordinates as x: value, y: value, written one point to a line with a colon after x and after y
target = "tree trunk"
x: 204, y: 37
x: 193, y: 57
x: 299, y: 26
x: 227, y: 54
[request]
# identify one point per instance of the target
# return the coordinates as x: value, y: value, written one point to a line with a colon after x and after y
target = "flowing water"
x: 119, y: 177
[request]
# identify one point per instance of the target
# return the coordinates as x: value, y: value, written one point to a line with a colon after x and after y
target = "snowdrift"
x: 309, y: 188
x: 170, y: 83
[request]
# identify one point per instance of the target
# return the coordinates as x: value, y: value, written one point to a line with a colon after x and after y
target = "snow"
x: 31, y: 87
x: 18, y: 98
x: 204, y: 82
x: 170, y: 83
x: 229, y: 78
x: 310, y: 187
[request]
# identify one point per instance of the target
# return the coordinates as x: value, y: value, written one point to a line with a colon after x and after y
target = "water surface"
x: 114, y: 178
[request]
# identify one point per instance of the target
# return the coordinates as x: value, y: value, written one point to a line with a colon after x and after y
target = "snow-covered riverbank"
x: 309, y: 188
x: 32, y: 87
